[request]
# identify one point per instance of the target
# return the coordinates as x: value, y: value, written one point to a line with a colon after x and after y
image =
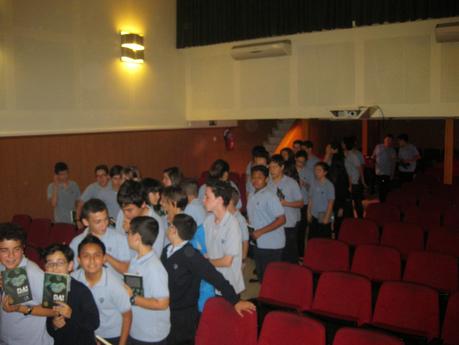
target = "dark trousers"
x: 357, y: 197
x: 113, y: 341
x: 132, y: 341
x: 290, y: 252
x: 302, y: 225
x: 383, y: 183
x: 263, y: 257
x: 319, y: 230
x: 405, y: 176
x: 184, y: 323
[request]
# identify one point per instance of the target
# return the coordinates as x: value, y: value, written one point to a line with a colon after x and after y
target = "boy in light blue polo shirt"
x: 109, y: 292
x: 95, y: 218
x: 151, y: 315
x: 235, y: 197
x: 267, y: 218
x: 194, y: 207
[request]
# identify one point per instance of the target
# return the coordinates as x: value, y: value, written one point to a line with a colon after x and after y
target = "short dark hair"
x: 221, y: 189
x: 92, y: 206
x: 403, y: 137
x: 91, y: 239
x: 176, y: 195
x: 261, y: 168
x: 185, y: 225
x: 289, y: 151
x: 308, y: 144
x: 235, y: 196
x: 132, y: 172
x: 116, y: 170
x: 262, y: 154
x: 150, y: 185
x: 58, y: 247
x: 11, y: 231
x: 323, y: 165
x: 349, y: 143
x: 174, y: 174
x: 278, y: 160
x: 190, y: 187
x: 130, y: 192
x: 103, y: 167
x: 389, y: 135
x: 298, y: 142
x: 258, y: 149
x: 301, y: 154
x: 146, y: 227
x: 218, y: 169
x: 60, y: 166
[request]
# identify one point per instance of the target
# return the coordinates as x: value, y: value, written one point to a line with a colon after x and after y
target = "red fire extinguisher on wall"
x: 229, y: 139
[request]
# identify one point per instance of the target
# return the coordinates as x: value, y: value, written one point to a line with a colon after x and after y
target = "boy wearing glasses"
x: 21, y: 324
x: 77, y: 320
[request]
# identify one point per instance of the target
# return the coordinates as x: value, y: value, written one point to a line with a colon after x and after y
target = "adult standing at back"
x: 385, y: 158
x: 408, y: 155
x: 63, y: 194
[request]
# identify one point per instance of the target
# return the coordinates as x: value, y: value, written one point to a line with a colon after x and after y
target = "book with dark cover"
x: 16, y: 285
x: 55, y: 289
x: 135, y: 282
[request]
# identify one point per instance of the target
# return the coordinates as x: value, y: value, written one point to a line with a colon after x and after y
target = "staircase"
x: 277, y: 134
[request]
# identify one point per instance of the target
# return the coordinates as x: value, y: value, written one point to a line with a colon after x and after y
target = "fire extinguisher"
x: 229, y: 139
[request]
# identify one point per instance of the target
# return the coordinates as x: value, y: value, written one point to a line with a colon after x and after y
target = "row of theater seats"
x: 278, y: 328
x: 405, y: 309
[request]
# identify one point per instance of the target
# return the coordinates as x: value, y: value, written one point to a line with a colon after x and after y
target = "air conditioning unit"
x: 212, y: 124
x: 261, y: 50
x: 447, y: 32
x: 362, y: 112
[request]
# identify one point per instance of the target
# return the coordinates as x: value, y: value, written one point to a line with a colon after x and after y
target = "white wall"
x: 60, y: 70
x: 399, y: 67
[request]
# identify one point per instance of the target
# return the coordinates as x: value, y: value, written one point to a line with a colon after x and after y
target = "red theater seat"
x: 451, y: 217
x: 359, y: 231
x: 355, y: 336
x: 280, y: 328
x: 343, y: 296
x: 382, y: 213
x: 408, y: 308
x: 443, y: 241
x: 62, y: 233
x: 426, y: 219
x: 38, y: 235
x: 220, y: 324
x: 287, y: 285
x: 450, y: 333
x: 378, y: 263
x: 433, y: 269
x: 404, y: 237
x: 323, y: 254
x: 23, y: 220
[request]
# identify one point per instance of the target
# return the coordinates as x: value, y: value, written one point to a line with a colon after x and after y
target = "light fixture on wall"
x: 132, y: 48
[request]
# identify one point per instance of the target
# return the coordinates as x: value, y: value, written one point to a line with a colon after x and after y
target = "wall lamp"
x: 132, y: 48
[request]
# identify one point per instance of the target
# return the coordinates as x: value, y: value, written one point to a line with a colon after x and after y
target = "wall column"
x: 449, y: 152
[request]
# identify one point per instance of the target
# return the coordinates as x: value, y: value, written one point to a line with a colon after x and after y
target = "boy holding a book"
x: 148, y: 289
x: 79, y: 317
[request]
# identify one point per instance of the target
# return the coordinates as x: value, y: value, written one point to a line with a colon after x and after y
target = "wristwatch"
x: 28, y: 311
x: 132, y: 300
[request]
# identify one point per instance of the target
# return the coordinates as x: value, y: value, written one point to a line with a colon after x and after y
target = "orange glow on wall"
x: 298, y: 131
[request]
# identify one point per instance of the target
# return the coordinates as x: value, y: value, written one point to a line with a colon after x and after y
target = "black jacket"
x: 79, y: 329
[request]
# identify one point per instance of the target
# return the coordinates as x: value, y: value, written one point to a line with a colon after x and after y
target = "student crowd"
x: 187, y: 242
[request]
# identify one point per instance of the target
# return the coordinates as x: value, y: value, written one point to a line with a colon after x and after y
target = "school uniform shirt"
x: 224, y: 239
x: 359, y: 156
x: 291, y: 191
x: 311, y: 162
x: 306, y: 177
x: 409, y: 151
x: 202, y: 193
x: 112, y: 301
x: 385, y: 159
x: 195, y: 209
x: 18, y: 329
x: 66, y: 199
x: 242, y: 226
x: 263, y: 207
x: 115, y: 244
x: 106, y: 194
x: 79, y: 329
x: 150, y: 325
x: 321, y: 194
x: 248, y: 182
x: 352, y: 164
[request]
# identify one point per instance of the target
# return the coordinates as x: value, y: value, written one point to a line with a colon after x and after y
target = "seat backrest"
x: 378, y: 263
x: 443, y: 241
x: 343, y: 295
x: 450, y: 333
x: 323, y: 254
x: 433, y: 269
x: 422, y: 217
x: 220, y: 324
x: 39, y: 232
x: 23, y: 220
x: 405, y: 237
x: 407, y: 307
x: 62, y: 233
x: 382, y: 213
x: 402, y: 199
x: 287, y: 285
x: 451, y: 216
x: 359, y: 231
x: 281, y: 328
x: 355, y: 336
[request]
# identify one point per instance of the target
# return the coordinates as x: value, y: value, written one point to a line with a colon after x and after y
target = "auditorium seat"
x: 451, y: 217
x: 443, y: 241
x: 23, y: 220
x: 344, y: 296
x: 407, y: 308
x: 402, y: 199
x: 34, y: 255
x: 450, y: 333
x: 38, y: 235
x: 422, y: 217
x: 281, y: 328
x: 62, y: 233
x: 323, y: 254
x: 220, y: 324
x: 377, y: 263
x: 404, y: 237
x: 356, y: 336
x: 433, y: 269
x: 287, y: 285
x: 382, y: 213
x: 358, y: 231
